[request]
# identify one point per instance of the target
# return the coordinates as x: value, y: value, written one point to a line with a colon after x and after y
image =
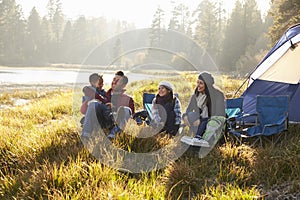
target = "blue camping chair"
x: 272, y: 118
x: 147, y: 103
x: 146, y: 114
x: 234, y: 113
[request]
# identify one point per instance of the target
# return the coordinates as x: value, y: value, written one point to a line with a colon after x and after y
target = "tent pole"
x: 247, y: 79
x: 241, y: 86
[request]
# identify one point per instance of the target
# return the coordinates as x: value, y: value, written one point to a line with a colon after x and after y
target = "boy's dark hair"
x: 94, y: 77
x: 124, y: 79
x: 119, y: 73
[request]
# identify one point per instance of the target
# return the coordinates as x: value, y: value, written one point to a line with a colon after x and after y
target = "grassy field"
x: 42, y: 156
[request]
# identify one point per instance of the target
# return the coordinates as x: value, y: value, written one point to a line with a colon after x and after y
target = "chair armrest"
x: 249, y: 114
x: 282, y: 120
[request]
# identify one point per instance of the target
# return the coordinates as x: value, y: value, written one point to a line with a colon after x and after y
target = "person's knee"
x: 192, y: 117
x: 124, y: 112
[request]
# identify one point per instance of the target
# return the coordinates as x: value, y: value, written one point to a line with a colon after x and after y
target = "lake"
x: 26, y: 78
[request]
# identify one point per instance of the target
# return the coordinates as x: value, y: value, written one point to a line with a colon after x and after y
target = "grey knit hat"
x: 167, y: 85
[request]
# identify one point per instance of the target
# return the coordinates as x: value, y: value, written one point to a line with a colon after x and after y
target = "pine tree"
x: 285, y: 13
x: 233, y: 44
x: 243, y: 30
x: 79, y: 40
x: 66, y: 42
x: 180, y: 20
x: 206, y: 31
x: 34, y: 41
x: 56, y: 20
x: 157, y: 27
x: 12, y: 28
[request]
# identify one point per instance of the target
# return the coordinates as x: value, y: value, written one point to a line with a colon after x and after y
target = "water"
x: 16, y: 77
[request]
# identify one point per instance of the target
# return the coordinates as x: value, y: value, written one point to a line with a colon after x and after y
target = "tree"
x: 232, y: 47
x: 180, y: 20
x: 56, y: 19
x: 207, y: 32
x: 156, y: 35
x: 66, y: 42
x: 285, y: 13
x: 79, y: 40
x: 244, y: 30
x: 117, y: 52
x: 253, y: 30
x: 34, y: 35
x: 12, y: 28
x: 252, y: 22
x: 46, y: 40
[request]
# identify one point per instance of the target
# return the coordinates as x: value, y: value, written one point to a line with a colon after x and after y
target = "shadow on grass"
x: 25, y: 171
x: 251, y: 169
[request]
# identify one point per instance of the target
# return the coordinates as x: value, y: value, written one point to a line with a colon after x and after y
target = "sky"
x: 139, y: 12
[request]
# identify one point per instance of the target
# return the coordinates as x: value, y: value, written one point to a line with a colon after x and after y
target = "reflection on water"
x: 30, y: 76
x: 22, y: 76
x: 57, y: 78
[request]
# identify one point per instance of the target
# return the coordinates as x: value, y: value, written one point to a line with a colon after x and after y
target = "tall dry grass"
x: 42, y: 156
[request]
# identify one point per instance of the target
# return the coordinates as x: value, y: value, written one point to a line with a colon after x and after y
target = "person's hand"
x: 186, y: 121
x: 196, y: 123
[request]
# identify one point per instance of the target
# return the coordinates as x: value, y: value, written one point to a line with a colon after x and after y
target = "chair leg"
x: 258, y: 139
x: 279, y: 137
x: 238, y: 139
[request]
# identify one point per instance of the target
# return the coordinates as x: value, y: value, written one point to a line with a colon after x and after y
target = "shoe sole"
x: 188, y: 140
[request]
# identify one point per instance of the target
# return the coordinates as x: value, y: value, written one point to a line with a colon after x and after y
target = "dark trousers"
x: 198, y: 130
x: 170, y: 126
x: 104, y: 115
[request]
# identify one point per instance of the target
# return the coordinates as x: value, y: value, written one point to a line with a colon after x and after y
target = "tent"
x: 278, y: 74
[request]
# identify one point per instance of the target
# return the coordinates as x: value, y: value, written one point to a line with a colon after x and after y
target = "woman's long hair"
x: 208, y: 99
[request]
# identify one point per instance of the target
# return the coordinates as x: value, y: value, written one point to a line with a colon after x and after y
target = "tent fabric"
x: 277, y: 74
x: 290, y: 33
x: 281, y: 74
x: 278, y: 52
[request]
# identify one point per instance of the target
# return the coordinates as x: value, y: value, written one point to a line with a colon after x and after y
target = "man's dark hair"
x: 124, y: 79
x: 119, y: 73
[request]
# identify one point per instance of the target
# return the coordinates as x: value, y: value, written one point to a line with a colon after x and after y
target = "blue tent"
x: 278, y: 74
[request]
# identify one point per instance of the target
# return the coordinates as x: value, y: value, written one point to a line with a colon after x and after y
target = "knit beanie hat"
x: 167, y: 85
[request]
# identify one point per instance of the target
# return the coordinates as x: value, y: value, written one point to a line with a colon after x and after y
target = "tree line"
x: 235, y: 41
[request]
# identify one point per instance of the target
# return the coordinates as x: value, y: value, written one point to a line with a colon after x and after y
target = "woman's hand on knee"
x: 186, y: 121
x: 196, y: 123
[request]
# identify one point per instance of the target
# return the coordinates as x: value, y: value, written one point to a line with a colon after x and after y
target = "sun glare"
x: 139, y: 12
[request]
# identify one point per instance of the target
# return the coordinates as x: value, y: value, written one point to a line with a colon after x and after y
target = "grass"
x: 42, y: 156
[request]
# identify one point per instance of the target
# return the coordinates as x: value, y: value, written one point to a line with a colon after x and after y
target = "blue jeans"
x: 198, y: 130
x: 122, y: 116
x: 97, y: 114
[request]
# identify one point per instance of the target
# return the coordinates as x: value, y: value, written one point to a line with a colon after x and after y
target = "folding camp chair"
x: 146, y: 114
x: 147, y: 103
x: 234, y: 113
x: 272, y: 118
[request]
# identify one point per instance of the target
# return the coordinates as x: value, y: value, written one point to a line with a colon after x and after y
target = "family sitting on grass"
x: 113, y: 109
